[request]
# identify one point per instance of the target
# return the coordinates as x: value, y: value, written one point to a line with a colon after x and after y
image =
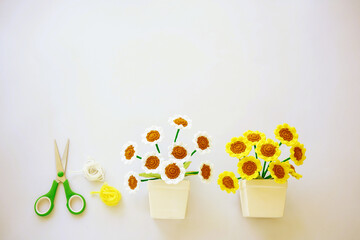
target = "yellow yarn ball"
x: 109, y: 195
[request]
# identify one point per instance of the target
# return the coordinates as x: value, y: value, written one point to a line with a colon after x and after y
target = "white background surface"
x: 100, y: 72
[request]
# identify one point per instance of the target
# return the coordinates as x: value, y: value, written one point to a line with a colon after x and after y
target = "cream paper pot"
x: 262, y: 198
x: 168, y: 201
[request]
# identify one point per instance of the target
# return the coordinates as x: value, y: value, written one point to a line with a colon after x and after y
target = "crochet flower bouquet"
x: 272, y: 174
x: 170, y: 168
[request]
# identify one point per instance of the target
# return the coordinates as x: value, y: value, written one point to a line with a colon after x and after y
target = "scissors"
x: 60, y: 177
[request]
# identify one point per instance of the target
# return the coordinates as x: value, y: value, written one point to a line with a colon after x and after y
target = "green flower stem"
x: 138, y: 157
x: 191, y: 173
x: 263, y: 170
x: 286, y: 160
x: 149, y: 179
x: 157, y: 148
x: 255, y: 152
x: 150, y: 175
x: 187, y: 164
x: 280, y: 144
x: 267, y: 168
x: 193, y: 153
x: 239, y: 178
x: 177, y: 134
x: 268, y: 177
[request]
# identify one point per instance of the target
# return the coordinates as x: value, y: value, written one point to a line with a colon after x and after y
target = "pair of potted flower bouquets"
x: 169, y: 191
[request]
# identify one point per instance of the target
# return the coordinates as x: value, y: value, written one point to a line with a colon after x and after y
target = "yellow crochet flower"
x: 228, y: 182
x: 279, y: 171
x: 294, y: 173
x: 286, y: 134
x: 249, y: 168
x: 238, y: 147
x: 268, y: 150
x: 254, y: 136
x: 297, y: 153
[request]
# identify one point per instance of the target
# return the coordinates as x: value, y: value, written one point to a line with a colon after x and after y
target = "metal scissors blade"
x: 59, y: 167
x: 65, y: 156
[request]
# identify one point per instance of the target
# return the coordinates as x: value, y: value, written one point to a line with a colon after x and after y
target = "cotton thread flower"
x: 172, y: 172
x: 228, y: 182
x: 279, y: 171
x: 128, y: 152
x: 132, y: 182
x: 297, y: 153
x: 286, y: 134
x: 254, y: 136
x: 249, y: 168
x: 151, y: 162
x: 202, y: 142
x: 238, y: 147
x: 268, y: 150
x: 206, y: 171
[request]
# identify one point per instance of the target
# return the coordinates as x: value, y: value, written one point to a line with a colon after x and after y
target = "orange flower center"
x: 203, y: 142
x: 206, y: 171
x: 268, y: 150
x: 179, y: 152
x: 298, y: 153
x: 181, y: 121
x: 254, y: 137
x: 228, y: 182
x: 152, y: 136
x: 172, y: 171
x: 279, y: 171
x: 238, y: 147
x: 152, y: 162
x: 249, y: 168
x: 132, y: 182
x: 129, y: 152
x: 286, y: 134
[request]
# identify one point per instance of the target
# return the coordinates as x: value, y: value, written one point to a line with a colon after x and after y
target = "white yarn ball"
x: 93, y: 171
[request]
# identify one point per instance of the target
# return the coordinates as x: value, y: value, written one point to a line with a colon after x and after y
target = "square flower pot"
x: 168, y: 201
x: 262, y: 198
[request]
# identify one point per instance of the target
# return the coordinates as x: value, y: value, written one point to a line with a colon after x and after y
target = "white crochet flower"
x: 172, y: 172
x: 179, y: 151
x: 152, y: 135
x: 128, y: 152
x: 151, y: 162
x: 203, y: 142
x: 180, y: 121
x: 206, y: 171
x: 132, y: 182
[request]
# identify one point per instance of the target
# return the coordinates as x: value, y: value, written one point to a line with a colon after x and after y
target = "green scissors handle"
x: 50, y: 196
x: 70, y: 196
